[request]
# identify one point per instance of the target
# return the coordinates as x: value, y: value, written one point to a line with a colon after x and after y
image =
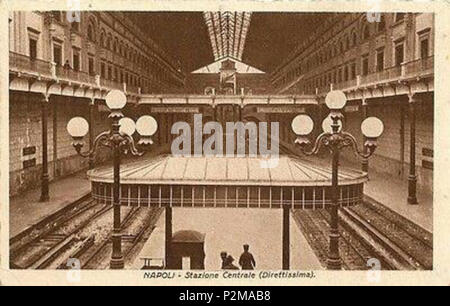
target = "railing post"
x: 403, y: 69
x: 286, y: 238
x: 53, y: 69
x: 168, y: 242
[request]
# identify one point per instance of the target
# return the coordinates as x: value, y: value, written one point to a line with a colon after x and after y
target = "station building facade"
x: 61, y: 66
x: 385, y: 65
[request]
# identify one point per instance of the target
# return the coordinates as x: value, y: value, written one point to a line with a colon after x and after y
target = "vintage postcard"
x: 224, y: 143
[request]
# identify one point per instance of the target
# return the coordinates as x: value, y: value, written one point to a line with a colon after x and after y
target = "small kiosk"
x: 187, y: 251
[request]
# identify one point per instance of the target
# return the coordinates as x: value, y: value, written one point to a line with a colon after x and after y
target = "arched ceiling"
x: 227, y: 33
x: 259, y: 39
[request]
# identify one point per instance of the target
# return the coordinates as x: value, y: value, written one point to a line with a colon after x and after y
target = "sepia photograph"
x: 221, y: 144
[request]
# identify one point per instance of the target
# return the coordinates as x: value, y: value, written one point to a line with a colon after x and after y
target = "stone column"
x: 412, y: 178
x: 45, y: 177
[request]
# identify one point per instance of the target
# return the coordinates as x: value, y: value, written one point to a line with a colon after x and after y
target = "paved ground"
x: 227, y: 229
x: 393, y: 192
x: 26, y: 210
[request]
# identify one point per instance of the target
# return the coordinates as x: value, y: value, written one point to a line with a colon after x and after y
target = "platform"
x: 25, y: 209
x: 392, y: 192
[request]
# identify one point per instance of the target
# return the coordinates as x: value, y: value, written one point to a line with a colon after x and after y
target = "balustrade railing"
x: 346, y: 84
x: 387, y: 74
x: 105, y: 83
x: 419, y: 67
x: 416, y: 68
x: 25, y: 63
x: 73, y: 75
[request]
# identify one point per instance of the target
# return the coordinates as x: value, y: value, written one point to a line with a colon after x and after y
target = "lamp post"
x: 335, y: 140
x: 118, y: 139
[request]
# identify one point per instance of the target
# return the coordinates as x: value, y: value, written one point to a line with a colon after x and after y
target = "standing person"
x: 229, y: 264
x: 247, y: 261
x: 223, y: 256
x: 67, y: 65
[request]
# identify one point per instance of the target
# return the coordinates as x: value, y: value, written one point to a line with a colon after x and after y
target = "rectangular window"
x: 353, y: 73
x: 102, y: 70
x: 57, y: 54
x: 91, y: 66
x: 33, y: 48
x: 76, y: 60
x: 110, y: 76
x: 399, y: 53
x: 380, y: 60
x: 424, y: 47
x: 365, y: 65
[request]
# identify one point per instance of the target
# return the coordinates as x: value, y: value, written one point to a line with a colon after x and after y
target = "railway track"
x: 370, y: 231
x: 48, y: 241
x: 81, y: 231
x: 137, y: 226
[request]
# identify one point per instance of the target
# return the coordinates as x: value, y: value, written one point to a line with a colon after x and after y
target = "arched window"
x: 102, y: 40
x: 75, y: 26
x: 57, y: 15
x: 354, y: 39
x: 365, y: 32
x: 116, y: 45
x: 381, y: 26
x: 399, y: 17
x: 109, y: 42
x: 91, y: 30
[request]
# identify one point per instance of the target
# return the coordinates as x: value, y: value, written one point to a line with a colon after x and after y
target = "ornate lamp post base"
x: 334, y: 264
x: 117, y: 263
